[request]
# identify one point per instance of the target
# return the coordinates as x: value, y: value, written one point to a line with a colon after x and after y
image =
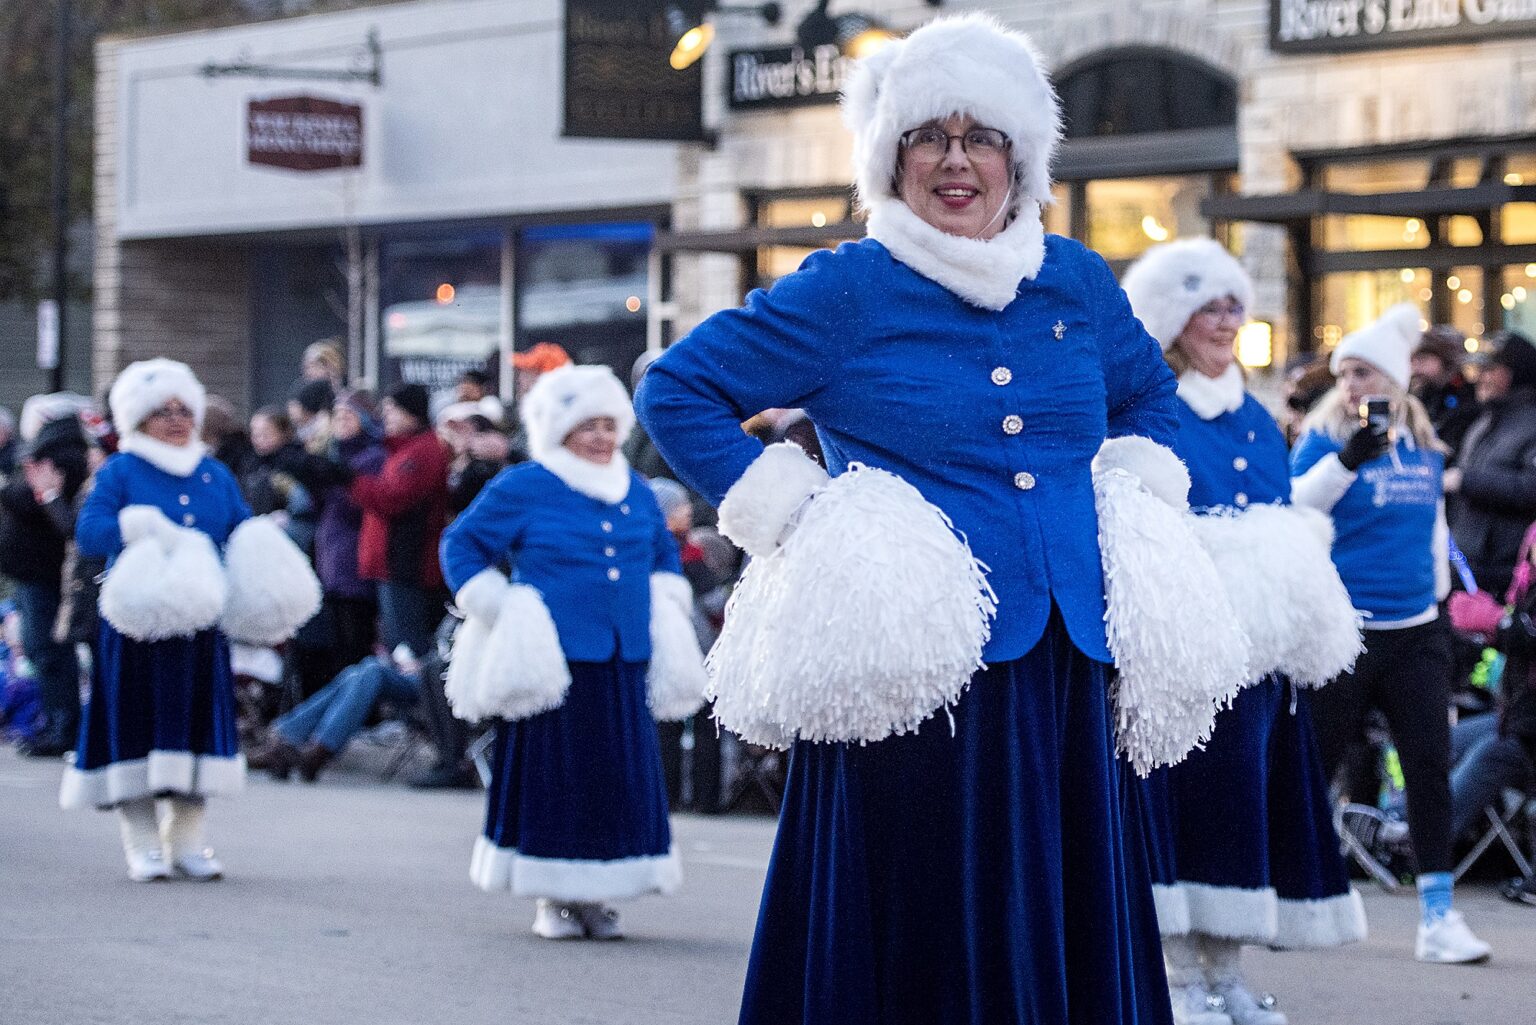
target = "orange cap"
x: 541, y: 359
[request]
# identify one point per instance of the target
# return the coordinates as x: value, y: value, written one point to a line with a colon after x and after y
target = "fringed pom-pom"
x: 676, y: 680
x: 870, y: 618
x: 522, y: 669
x: 272, y: 589
x: 461, y: 683
x: 1180, y: 652
x: 1287, y: 595
x: 166, y: 584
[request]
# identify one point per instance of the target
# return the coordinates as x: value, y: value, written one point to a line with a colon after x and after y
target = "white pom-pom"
x: 676, y: 680
x: 758, y: 508
x: 1177, y: 644
x: 1284, y: 588
x: 522, y: 667
x: 461, y: 683
x: 871, y: 617
x: 272, y: 589
x: 161, y: 588
x: 1160, y: 471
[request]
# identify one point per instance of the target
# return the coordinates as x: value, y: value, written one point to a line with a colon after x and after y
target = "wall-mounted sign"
x: 786, y: 77
x: 1335, y: 26
x: 304, y: 133
x: 618, y: 82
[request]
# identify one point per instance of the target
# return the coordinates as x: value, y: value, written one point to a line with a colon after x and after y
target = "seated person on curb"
x: 309, y: 736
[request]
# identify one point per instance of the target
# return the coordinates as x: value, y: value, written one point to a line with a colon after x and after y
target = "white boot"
x: 1193, y: 1002
x: 556, y: 921
x: 141, y: 841
x: 600, y: 921
x: 191, y: 856
x: 1225, y: 975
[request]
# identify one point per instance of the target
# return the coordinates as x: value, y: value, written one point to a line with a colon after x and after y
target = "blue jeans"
x: 332, y: 715
x: 408, y: 615
x: 57, y: 668
x: 1484, y: 764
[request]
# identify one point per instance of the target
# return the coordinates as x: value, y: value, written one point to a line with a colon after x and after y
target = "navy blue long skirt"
x: 968, y: 874
x: 160, y: 722
x: 1241, y: 833
x: 577, y: 808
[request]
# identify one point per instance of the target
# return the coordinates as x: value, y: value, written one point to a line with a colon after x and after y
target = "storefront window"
x: 583, y: 287
x: 773, y: 262
x: 1518, y: 299
x: 1359, y: 233
x: 1465, y: 286
x: 1519, y: 223
x: 1058, y: 216
x: 1376, y: 176
x: 1127, y: 215
x: 1350, y: 301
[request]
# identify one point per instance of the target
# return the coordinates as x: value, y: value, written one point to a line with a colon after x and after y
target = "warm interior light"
x: 1153, y: 230
x: 1530, y: 270
x: 1507, y: 301
x: 1519, y: 293
x: 632, y: 304
x: 1406, y: 275
x: 1453, y: 282
x: 871, y: 40
x: 691, y: 46
x: 818, y: 219
x: 1413, y: 226
x: 1255, y: 344
x: 1470, y: 344
x: 1513, y: 179
x: 445, y: 293
x: 1465, y: 295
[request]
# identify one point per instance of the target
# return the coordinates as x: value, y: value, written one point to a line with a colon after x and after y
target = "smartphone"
x: 1376, y: 414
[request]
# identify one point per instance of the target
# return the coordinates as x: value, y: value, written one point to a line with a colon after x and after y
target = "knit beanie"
x: 314, y: 396
x: 1446, y: 343
x: 1386, y: 344
x: 1516, y: 352
x: 669, y: 494
x: 413, y: 399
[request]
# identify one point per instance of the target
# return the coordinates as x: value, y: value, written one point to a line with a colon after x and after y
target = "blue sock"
x: 1435, y: 895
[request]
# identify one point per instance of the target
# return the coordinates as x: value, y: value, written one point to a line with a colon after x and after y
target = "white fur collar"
x: 983, y: 273
x: 176, y: 460
x: 607, y: 482
x: 1210, y: 397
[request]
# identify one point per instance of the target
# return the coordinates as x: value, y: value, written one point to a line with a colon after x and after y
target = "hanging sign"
x: 619, y: 82
x: 1334, y: 26
x: 787, y: 76
x: 304, y: 133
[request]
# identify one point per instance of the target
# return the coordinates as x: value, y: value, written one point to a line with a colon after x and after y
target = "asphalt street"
x: 349, y: 902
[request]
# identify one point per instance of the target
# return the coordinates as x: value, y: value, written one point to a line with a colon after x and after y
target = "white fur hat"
x: 1387, y: 344
x: 968, y: 64
x: 563, y: 398
x: 145, y: 386
x: 1169, y: 282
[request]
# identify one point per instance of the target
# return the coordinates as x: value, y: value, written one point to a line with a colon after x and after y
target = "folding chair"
x: 1518, y: 811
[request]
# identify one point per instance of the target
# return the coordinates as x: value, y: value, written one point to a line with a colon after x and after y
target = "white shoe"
x: 199, y: 865
x: 600, y: 922
x: 1193, y: 1004
x: 555, y: 921
x: 147, y: 865
x: 1244, y: 1008
x: 1448, y: 940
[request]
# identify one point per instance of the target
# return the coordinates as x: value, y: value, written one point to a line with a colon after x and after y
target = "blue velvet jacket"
x: 591, y: 560
x: 208, y: 499
x: 994, y: 416
x: 1236, y: 459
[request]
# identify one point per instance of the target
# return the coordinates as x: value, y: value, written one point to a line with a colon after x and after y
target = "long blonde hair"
x: 1334, y: 417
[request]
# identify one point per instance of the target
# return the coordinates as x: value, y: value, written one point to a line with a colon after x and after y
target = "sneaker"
x: 1521, y: 891
x: 600, y: 922
x: 1195, y: 1005
x: 1448, y: 940
x: 200, y: 866
x: 557, y: 922
x: 147, y: 866
x: 1244, y: 1008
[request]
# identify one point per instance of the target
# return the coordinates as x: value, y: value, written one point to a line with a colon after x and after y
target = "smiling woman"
x: 954, y: 174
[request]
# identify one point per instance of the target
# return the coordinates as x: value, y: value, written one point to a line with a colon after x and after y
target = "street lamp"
x: 856, y: 34
x: 694, y: 32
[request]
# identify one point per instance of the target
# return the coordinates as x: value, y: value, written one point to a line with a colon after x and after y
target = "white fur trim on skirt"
x: 1231, y: 912
x: 1172, y: 909
x: 160, y: 772
x: 560, y: 879
x: 1330, y: 922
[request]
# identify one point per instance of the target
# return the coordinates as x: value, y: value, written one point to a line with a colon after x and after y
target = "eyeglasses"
x: 1219, y: 311
x: 171, y: 413
x: 931, y: 142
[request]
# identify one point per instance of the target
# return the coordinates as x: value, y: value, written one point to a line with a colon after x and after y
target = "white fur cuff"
x: 141, y: 521
x: 759, y: 506
x: 1160, y: 471
x: 273, y: 590
x: 482, y: 595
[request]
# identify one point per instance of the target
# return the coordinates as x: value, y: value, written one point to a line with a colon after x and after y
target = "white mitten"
x: 140, y: 521
x: 763, y: 507
x: 482, y: 595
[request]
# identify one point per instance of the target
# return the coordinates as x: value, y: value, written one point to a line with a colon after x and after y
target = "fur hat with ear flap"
x: 1169, y: 282
x: 145, y: 386
x: 1387, y: 344
x: 563, y: 398
x: 968, y: 64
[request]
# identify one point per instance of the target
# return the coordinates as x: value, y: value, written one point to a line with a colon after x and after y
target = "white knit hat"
x: 145, y: 386
x: 562, y: 398
x: 1387, y: 344
x: 1169, y: 282
x: 970, y: 65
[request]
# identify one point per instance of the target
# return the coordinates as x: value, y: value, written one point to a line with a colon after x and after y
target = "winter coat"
x: 467, y: 479
x: 32, y: 535
x: 994, y: 416
x: 341, y: 522
x: 1452, y: 409
x: 1497, y: 499
x: 208, y: 500
x: 78, y: 621
x: 405, y: 506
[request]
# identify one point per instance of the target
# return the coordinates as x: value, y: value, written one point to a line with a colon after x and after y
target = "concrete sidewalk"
x: 349, y: 902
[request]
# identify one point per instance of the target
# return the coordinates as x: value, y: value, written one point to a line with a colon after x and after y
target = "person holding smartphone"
x: 1368, y: 456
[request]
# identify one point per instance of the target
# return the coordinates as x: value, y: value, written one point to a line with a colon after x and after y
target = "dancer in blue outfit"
x: 161, y: 718
x: 985, y: 866
x: 1384, y: 491
x: 577, y: 810
x: 1244, y: 846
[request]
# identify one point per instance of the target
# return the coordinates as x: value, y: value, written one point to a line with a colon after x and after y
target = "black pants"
x: 1406, y: 674
x: 354, y: 629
